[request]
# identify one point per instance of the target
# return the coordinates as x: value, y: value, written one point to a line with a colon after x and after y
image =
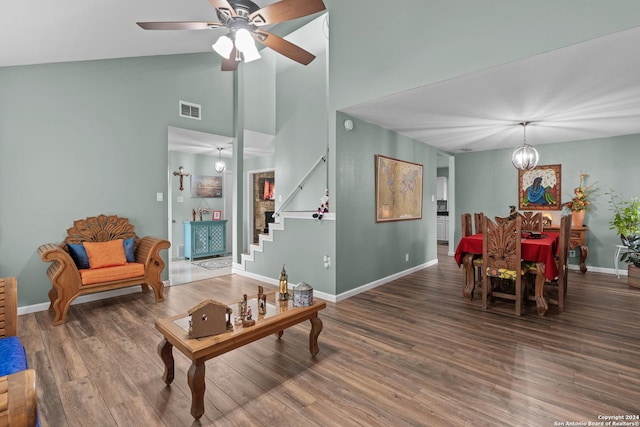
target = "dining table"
x: 541, y: 250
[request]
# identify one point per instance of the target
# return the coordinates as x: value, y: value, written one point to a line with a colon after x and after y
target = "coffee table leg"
x: 165, y: 350
x: 316, y: 328
x: 195, y: 378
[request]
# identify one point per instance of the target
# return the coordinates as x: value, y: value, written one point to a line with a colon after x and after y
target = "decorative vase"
x: 577, y: 219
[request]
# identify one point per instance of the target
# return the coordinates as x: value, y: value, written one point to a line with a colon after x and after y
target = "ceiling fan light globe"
x: 244, y: 41
x: 525, y: 157
x: 251, y: 54
x: 223, y: 46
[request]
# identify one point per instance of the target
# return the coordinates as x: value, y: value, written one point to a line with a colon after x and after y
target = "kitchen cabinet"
x: 442, y: 229
x: 441, y: 188
x: 205, y: 238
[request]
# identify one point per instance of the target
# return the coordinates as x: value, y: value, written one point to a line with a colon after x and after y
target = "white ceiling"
x: 589, y: 90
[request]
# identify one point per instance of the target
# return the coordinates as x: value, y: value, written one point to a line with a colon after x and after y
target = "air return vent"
x: 189, y: 110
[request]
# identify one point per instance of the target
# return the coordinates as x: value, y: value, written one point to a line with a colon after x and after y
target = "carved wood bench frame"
x: 64, y: 275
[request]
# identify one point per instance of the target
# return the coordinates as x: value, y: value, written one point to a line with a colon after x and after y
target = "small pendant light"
x: 220, y: 166
x: 525, y: 157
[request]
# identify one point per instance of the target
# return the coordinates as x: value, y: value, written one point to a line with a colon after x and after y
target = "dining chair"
x: 502, y: 255
x: 465, y: 223
x: 478, y: 220
x: 531, y: 221
x: 555, y: 291
x: 501, y: 219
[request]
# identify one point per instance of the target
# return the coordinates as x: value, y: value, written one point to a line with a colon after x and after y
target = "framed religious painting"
x: 398, y: 189
x: 539, y: 188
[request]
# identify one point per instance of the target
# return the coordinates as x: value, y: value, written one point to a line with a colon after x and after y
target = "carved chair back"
x: 531, y: 221
x: 465, y: 222
x: 502, y: 258
x: 101, y: 228
x: 478, y: 220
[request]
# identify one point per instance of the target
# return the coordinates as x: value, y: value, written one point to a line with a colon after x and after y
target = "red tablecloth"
x: 538, y: 250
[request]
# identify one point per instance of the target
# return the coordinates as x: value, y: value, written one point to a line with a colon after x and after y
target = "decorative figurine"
x: 239, y: 315
x: 262, y: 304
x: 193, y: 214
x: 284, y: 285
x: 324, y: 205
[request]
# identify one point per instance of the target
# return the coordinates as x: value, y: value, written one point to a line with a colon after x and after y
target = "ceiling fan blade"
x: 284, y: 10
x: 230, y: 64
x: 284, y: 47
x: 179, y: 25
x: 223, y: 6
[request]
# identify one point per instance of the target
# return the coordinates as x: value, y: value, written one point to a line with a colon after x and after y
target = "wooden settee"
x: 18, y: 402
x: 68, y: 281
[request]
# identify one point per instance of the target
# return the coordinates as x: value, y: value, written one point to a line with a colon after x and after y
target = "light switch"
x: 159, y: 197
x: 180, y: 199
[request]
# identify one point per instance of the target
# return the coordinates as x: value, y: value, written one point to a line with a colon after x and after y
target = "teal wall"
x: 367, y: 251
x: 301, y: 138
x: 85, y: 138
x: 301, y: 247
x: 487, y: 182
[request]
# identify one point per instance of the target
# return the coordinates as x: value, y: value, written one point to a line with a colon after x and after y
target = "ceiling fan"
x: 244, y: 18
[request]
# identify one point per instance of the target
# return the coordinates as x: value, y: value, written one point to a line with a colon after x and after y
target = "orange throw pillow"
x: 105, y: 254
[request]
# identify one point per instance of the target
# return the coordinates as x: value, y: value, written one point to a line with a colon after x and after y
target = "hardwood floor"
x: 411, y: 352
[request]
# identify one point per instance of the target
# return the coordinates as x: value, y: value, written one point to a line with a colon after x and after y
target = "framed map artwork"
x: 398, y: 189
x: 539, y: 188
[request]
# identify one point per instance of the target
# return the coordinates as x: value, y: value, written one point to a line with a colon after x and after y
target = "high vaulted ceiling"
x: 589, y: 90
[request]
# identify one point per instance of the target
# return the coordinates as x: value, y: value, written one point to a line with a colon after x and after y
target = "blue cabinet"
x: 205, y: 238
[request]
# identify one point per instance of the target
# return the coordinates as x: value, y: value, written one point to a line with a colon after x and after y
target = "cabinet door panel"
x: 200, y: 240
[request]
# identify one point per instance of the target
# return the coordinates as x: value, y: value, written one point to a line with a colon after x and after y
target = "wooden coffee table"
x: 279, y: 316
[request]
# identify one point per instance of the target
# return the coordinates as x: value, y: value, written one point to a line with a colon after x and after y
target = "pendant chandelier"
x: 524, y: 157
x: 220, y: 166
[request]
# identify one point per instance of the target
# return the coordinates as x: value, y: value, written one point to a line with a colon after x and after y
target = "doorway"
x: 196, y: 152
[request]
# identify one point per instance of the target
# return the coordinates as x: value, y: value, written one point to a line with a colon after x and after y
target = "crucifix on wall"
x: 181, y: 173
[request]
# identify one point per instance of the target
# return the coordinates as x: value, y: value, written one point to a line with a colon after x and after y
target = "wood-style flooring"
x: 408, y: 353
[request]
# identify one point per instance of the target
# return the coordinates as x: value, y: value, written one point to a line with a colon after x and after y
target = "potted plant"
x: 626, y: 221
x: 580, y: 202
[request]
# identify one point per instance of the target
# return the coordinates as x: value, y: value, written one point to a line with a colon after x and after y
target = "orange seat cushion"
x: 105, y: 254
x: 130, y: 270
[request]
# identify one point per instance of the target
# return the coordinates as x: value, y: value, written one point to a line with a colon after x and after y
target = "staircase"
x: 262, y: 238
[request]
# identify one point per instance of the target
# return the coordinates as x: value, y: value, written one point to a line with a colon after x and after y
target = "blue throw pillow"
x: 128, y: 249
x: 79, y: 255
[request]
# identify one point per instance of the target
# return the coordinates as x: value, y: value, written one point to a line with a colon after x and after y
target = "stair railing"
x: 299, y: 186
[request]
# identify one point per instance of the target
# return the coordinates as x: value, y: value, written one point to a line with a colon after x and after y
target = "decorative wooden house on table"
x: 209, y: 318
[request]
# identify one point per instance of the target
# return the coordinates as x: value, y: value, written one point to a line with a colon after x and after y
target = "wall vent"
x: 190, y: 110
x: 180, y: 251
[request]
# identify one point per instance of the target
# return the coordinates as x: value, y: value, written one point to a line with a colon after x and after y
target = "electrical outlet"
x: 572, y: 253
x: 406, y: 257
